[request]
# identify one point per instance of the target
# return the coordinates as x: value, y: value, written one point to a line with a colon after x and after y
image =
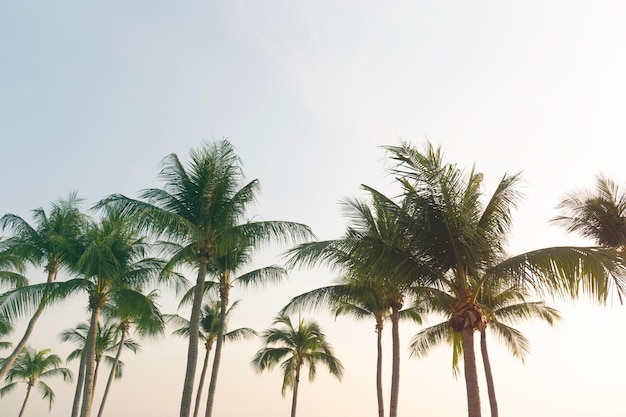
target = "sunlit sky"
x: 94, y: 94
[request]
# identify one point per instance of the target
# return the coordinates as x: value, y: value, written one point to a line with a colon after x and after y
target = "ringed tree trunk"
x: 125, y: 326
x: 25, y: 399
x: 224, y: 294
x: 96, y: 301
x: 395, y: 366
x: 466, y: 318
x: 294, y: 397
x: 194, y: 328
x: 379, y: 367
x: 8, y: 362
x: 205, y: 366
x: 493, y: 403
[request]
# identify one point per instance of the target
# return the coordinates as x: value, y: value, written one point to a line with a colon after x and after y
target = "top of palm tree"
x: 599, y: 214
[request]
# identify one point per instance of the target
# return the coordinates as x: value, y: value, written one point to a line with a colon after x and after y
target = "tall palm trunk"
x: 493, y: 404
x: 25, y: 400
x: 89, y: 351
x: 224, y: 293
x: 192, y: 350
x: 379, y: 367
x: 79, y: 386
x: 294, y: 397
x: 205, y: 366
x: 395, y: 366
x: 471, y: 374
x: 8, y: 362
x: 113, y: 367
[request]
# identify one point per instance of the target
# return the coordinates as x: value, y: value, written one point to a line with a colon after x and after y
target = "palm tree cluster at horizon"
x: 438, y: 248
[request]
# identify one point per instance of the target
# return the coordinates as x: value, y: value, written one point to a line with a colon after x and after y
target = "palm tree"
x: 209, y: 323
x: 106, y: 342
x: 500, y: 304
x: 373, y: 234
x: 31, y: 367
x: 599, y: 214
x: 201, y: 209
x: 50, y: 243
x: 464, y: 241
x: 294, y: 347
x: 128, y: 309
x: 114, y: 266
x: 359, y: 298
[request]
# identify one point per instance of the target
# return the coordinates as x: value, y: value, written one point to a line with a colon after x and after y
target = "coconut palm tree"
x: 599, y: 214
x: 51, y: 242
x: 373, y: 234
x: 31, y: 367
x: 359, y: 298
x: 463, y: 237
x: 501, y: 304
x: 201, y: 210
x: 130, y: 308
x: 293, y: 347
x: 106, y: 343
x: 209, y: 324
x: 114, y: 266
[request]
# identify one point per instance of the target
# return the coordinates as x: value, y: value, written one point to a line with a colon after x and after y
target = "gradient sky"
x: 94, y: 95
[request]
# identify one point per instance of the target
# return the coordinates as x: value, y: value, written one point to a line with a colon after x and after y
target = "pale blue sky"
x: 94, y: 95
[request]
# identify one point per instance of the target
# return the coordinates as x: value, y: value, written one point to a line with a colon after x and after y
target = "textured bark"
x: 192, y: 351
x: 471, y: 374
x: 114, y: 366
x: 224, y: 294
x: 25, y: 400
x: 205, y: 366
x: 294, y: 397
x: 493, y: 403
x: 395, y: 366
x: 8, y: 362
x: 79, y: 386
x: 379, y: 368
x: 89, y: 351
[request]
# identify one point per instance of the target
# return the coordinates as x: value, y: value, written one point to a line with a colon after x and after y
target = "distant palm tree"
x: 106, y: 343
x: 51, y: 243
x: 293, y: 347
x: 130, y: 308
x: 209, y: 325
x: 359, y: 298
x: 30, y: 368
x: 201, y: 210
x: 599, y: 214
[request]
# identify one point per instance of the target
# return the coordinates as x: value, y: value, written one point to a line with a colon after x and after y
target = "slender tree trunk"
x: 395, y: 366
x: 224, y: 292
x: 8, y: 362
x: 79, y: 386
x: 95, y: 373
x: 25, y: 399
x: 294, y: 397
x: 493, y: 403
x: 89, y: 351
x: 192, y: 350
x: 205, y: 366
x: 379, y: 368
x: 471, y: 374
x: 113, y: 368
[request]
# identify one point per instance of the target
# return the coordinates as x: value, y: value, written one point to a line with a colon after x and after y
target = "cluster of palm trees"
x: 437, y: 248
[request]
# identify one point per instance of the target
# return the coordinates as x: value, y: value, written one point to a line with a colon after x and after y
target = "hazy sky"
x: 94, y: 95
